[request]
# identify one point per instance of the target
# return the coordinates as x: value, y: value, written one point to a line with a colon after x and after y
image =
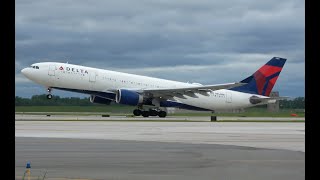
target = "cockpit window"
x: 35, y: 67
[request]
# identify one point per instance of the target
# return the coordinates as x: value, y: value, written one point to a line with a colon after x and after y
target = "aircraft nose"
x: 26, y: 72
x: 23, y: 71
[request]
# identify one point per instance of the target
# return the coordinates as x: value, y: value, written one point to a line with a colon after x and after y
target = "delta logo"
x: 74, y: 70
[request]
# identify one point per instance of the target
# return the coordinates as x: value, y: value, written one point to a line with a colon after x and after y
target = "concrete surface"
x: 26, y: 117
x: 91, y: 159
x: 274, y: 135
x: 122, y: 150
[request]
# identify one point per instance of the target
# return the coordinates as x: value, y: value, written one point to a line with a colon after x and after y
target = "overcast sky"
x: 203, y: 41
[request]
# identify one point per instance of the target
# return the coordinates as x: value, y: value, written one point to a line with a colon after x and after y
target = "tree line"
x: 296, y: 103
x: 41, y: 100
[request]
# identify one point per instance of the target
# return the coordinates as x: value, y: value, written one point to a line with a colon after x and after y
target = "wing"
x: 166, y: 93
x: 186, y: 91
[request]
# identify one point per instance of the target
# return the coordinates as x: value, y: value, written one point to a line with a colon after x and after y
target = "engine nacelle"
x: 99, y: 100
x: 128, y: 97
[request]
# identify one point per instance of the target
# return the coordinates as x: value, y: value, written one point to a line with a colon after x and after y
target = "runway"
x: 281, y: 135
x: 162, y: 150
x: 95, y: 159
x: 80, y: 117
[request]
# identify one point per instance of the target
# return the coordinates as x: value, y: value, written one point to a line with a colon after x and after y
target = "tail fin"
x: 262, y: 81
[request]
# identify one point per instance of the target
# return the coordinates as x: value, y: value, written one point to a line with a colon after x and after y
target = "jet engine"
x: 127, y: 97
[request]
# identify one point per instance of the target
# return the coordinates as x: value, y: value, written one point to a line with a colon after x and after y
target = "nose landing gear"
x: 49, y: 96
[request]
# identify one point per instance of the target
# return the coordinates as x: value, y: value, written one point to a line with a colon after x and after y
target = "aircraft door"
x: 92, y: 80
x: 52, y: 69
x: 93, y: 76
x: 228, y: 97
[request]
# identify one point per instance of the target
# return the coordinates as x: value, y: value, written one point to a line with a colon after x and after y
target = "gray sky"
x: 202, y: 41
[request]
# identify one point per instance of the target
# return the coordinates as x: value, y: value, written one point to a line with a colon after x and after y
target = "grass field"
x: 127, y: 110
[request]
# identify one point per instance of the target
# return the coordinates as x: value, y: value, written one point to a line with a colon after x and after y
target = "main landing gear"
x: 49, y: 96
x: 150, y: 112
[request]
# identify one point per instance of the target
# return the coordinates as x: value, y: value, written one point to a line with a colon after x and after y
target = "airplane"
x: 105, y: 86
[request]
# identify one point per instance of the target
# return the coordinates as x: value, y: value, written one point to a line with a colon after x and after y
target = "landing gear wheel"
x: 162, y: 114
x: 145, y: 113
x: 49, y: 96
x: 153, y: 112
x: 137, y: 112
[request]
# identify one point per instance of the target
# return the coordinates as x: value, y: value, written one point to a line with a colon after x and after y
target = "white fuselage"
x: 69, y: 76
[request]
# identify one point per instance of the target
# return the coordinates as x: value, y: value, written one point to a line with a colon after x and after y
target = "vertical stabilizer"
x: 262, y: 81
